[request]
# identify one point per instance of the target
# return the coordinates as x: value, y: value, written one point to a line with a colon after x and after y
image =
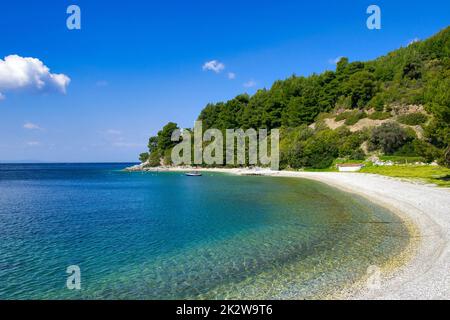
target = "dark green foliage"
x: 321, y: 149
x: 427, y: 151
x: 438, y: 132
x: 412, y: 70
x: 158, y: 145
x: 413, y: 119
x: 154, y: 159
x: 437, y: 93
x: 420, y: 148
x: 143, y: 156
x: 445, y: 159
x: 307, y: 149
x: 342, y: 65
x: 291, y: 146
x: 294, y: 156
x: 389, y: 137
x: 167, y: 158
x: 377, y: 102
x: 358, y: 154
x: 361, y: 87
x: 152, y: 144
x: 164, y: 141
x: 407, y: 150
x: 349, y: 142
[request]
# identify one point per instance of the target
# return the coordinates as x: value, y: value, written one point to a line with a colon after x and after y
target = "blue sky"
x: 135, y: 65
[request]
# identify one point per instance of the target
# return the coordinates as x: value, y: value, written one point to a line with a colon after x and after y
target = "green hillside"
x: 408, y: 89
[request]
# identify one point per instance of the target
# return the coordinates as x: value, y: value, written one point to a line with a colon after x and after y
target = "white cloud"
x: 213, y: 65
x: 33, y: 143
x: 231, y: 75
x: 413, y: 41
x: 335, y: 60
x: 31, y: 126
x: 2, y: 97
x: 29, y: 74
x: 250, y: 84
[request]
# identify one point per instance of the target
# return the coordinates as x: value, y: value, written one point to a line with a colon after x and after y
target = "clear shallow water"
x: 167, y: 236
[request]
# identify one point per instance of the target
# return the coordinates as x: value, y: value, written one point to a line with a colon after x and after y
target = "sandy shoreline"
x: 426, y: 275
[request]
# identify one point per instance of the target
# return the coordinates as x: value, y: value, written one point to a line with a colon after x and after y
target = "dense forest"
x: 416, y: 75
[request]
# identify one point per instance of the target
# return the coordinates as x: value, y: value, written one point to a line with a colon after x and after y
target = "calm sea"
x: 168, y: 236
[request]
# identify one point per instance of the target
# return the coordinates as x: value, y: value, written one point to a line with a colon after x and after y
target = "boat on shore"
x: 193, y: 174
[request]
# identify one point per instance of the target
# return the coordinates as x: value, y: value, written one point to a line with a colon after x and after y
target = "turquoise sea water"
x: 168, y: 236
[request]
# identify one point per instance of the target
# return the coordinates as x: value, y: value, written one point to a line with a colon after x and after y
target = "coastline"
x: 422, y: 271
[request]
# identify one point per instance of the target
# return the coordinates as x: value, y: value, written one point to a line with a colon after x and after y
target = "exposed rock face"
x: 365, y: 147
x: 419, y: 131
x: 333, y: 124
x: 407, y: 109
x: 138, y: 167
x: 368, y: 123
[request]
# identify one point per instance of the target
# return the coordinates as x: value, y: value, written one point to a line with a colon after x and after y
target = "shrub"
x: 154, y: 159
x: 323, y: 115
x: 377, y: 103
x: 143, y: 157
x: 344, y: 102
x: 349, y: 143
x: 412, y: 70
x: 291, y: 145
x: 353, y: 119
x: 406, y: 150
x: 358, y: 154
x: 321, y: 149
x: 422, y: 149
x: 167, y: 160
x: 379, y: 115
x: 344, y: 115
x: 316, y: 151
x: 388, y: 137
x: 413, y: 119
x: 362, y: 87
x: 295, y: 157
x: 445, y: 158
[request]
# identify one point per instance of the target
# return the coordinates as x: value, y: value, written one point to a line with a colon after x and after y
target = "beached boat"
x: 193, y: 174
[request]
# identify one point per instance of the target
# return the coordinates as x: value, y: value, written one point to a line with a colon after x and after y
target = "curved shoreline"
x: 425, y: 210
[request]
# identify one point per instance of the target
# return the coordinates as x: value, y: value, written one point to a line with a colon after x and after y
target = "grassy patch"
x: 432, y: 174
x: 324, y: 115
x: 413, y: 119
x: 379, y: 115
x: 351, y: 117
x: 402, y: 159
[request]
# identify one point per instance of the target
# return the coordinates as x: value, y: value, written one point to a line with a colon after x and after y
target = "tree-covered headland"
x: 396, y: 105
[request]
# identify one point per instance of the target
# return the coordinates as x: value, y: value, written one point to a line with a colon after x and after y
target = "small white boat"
x: 193, y: 174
